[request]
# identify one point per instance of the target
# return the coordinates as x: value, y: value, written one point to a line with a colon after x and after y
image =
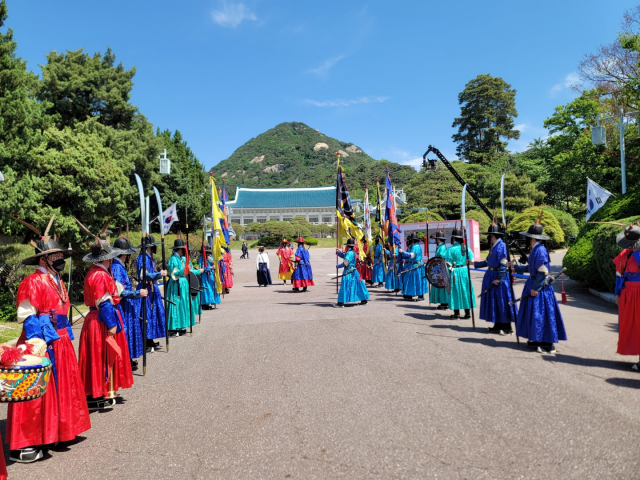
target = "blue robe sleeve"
x: 619, y: 285
x: 538, y: 282
x: 521, y: 268
x: 39, y: 326
x: 480, y: 264
x: 502, y: 272
x: 107, y: 315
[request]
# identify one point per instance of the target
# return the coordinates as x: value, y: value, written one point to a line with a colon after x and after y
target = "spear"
x: 550, y: 281
x: 143, y: 300
x: 511, y: 272
x: 186, y: 219
x: 466, y: 251
x: 426, y: 245
x: 164, y: 278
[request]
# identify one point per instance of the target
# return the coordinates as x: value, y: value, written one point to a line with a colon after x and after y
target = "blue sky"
x: 383, y: 75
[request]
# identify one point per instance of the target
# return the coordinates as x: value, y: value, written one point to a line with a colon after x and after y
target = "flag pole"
x: 426, y: 247
x: 337, y: 228
x: 187, y: 260
x: 164, y: 279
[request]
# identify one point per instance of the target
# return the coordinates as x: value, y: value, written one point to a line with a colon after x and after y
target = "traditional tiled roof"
x: 284, y: 197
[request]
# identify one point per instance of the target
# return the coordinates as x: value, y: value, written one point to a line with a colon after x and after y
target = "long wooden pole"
x: 187, y: 259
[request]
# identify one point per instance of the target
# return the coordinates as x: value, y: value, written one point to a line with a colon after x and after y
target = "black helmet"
x: 535, y: 230
x: 178, y: 244
x: 411, y: 239
x: 100, y: 251
x: 350, y: 243
x: 495, y: 230
x: 124, y: 246
x: 440, y: 235
x: 457, y: 234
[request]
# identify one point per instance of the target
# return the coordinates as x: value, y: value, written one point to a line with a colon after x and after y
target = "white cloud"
x: 520, y: 127
x: 326, y: 66
x: 346, y: 103
x: 232, y: 14
x: 569, y: 80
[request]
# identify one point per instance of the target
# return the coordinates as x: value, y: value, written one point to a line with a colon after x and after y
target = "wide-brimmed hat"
x: 411, y: 238
x: 284, y: 240
x: 124, y: 246
x: 100, y: 251
x: 457, y: 233
x: 148, y: 241
x: 629, y: 237
x: 535, y: 230
x: 495, y: 230
x: 300, y: 240
x: 440, y: 235
x: 46, y: 248
x: 178, y: 244
x: 350, y: 243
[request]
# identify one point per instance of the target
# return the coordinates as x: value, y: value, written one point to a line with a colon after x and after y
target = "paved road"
x: 280, y: 385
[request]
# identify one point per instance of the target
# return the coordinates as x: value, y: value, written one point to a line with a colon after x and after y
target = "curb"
x: 607, y: 297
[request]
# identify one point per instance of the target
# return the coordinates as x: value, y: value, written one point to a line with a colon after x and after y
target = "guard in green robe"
x: 178, y: 292
x: 440, y: 295
x: 457, y: 260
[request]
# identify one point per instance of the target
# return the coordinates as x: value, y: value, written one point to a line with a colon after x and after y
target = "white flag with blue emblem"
x: 170, y: 215
x: 596, y: 197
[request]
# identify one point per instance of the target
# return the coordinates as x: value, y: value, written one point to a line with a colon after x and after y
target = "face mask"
x: 58, y: 265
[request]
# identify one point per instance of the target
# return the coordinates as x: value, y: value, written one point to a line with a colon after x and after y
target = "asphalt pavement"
x: 277, y: 384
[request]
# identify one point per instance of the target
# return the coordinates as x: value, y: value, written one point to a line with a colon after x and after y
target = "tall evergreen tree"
x: 79, y: 86
x: 487, y: 112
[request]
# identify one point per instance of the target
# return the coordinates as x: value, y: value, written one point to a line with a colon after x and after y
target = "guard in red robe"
x: 228, y: 278
x: 285, y: 252
x: 364, y: 266
x: 43, y: 308
x: 628, y: 292
x: 102, y: 363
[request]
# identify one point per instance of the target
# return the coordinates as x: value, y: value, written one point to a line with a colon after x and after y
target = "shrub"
x: 482, y: 219
x: 580, y: 262
x: 310, y: 241
x: 552, y: 227
x: 566, y: 221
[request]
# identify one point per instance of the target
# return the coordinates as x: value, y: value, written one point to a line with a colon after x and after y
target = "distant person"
x: 245, y: 250
x: 352, y: 287
x: 228, y: 278
x: 377, y: 273
x: 262, y: 265
x: 413, y: 282
x: 302, y: 276
x: 285, y: 252
x: 439, y: 295
x: 209, y: 297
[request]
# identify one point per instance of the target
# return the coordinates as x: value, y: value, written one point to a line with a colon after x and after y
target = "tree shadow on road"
x: 315, y: 304
x: 457, y: 328
x: 494, y: 343
x: 624, y: 382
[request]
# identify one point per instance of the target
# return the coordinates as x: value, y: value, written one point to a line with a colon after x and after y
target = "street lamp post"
x: 598, y: 138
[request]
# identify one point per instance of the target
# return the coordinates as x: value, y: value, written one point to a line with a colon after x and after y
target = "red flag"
x: 187, y: 265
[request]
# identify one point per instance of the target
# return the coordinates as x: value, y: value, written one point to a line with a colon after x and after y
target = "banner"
x: 391, y: 222
x: 596, y: 197
x: 367, y: 216
x: 170, y: 215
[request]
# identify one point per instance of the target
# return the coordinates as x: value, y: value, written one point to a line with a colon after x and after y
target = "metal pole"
x: 426, y: 247
x: 622, y: 164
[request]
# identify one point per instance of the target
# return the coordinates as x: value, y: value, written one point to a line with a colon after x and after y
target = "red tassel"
x: 10, y: 356
x: 28, y: 349
x: 564, y: 294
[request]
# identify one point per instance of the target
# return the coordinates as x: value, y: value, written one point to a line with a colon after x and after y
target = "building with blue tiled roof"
x: 316, y: 204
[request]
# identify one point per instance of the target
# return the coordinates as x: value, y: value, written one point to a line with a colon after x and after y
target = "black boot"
x: 467, y: 314
x: 456, y: 315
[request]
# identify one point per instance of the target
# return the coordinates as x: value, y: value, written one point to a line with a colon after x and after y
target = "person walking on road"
x: 262, y: 266
x: 352, y: 286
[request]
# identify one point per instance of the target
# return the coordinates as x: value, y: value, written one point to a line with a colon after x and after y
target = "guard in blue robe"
x: 302, y: 276
x: 129, y: 299
x: 352, y: 287
x: 391, y: 280
x: 156, y: 320
x: 437, y: 295
x: 539, y: 318
x: 494, y: 303
x: 414, y: 283
x: 209, y: 297
x: 377, y: 273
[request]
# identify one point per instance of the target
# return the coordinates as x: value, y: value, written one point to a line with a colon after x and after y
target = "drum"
x: 194, y: 284
x: 437, y: 273
x: 26, y: 380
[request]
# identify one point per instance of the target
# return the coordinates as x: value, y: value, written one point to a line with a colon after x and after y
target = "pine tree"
x: 487, y: 112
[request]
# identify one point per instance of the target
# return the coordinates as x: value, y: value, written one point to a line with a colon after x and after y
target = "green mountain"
x: 296, y: 155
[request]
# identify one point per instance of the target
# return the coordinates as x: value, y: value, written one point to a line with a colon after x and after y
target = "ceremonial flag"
x: 596, y: 197
x: 367, y: 216
x: 217, y: 238
x: 347, y: 223
x: 170, y: 215
x: 378, y: 204
x: 391, y: 222
x: 225, y: 223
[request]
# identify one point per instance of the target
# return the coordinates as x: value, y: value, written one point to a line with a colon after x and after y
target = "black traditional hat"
x: 178, y: 244
x: 148, y: 241
x: 100, y: 251
x: 494, y: 229
x: 207, y: 248
x: 457, y: 233
x: 124, y: 246
x: 45, y: 246
x: 411, y: 238
x: 535, y: 230
x: 630, y: 237
x: 350, y: 243
x: 440, y: 235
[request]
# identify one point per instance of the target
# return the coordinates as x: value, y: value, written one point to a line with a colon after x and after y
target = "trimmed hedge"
x: 566, y: 221
x: 589, y: 260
